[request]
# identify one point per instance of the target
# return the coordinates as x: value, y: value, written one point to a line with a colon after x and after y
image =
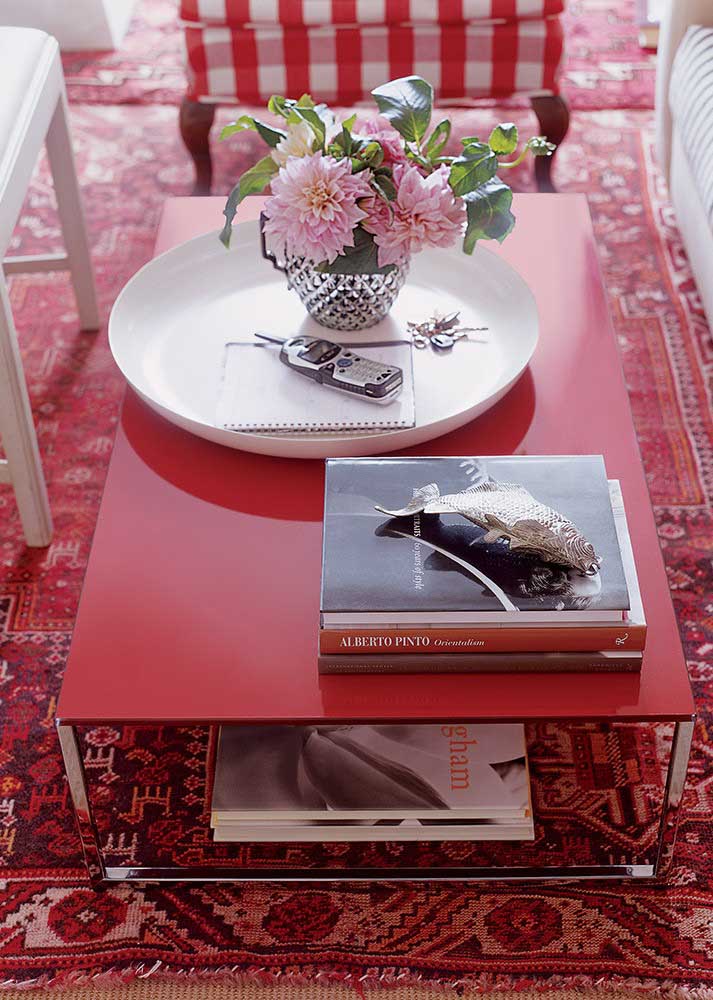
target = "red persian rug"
x: 54, y: 929
x: 604, y: 65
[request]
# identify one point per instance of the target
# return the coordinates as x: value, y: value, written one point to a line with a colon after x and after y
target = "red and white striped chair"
x: 242, y: 51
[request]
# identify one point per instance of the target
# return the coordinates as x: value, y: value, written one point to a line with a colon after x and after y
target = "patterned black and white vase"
x: 345, y: 301
x: 340, y: 301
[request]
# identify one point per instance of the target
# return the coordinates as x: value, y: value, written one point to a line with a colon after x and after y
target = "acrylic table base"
x: 100, y: 873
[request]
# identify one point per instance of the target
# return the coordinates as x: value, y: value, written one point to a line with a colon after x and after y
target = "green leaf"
x: 437, y: 139
x: 417, y: 158
x: 475, y: 166
x: 271, y: 135
x: 348, y: 123
x: 342, y: 144
x: 503, y: 139
x: 345, y: 144
x: 372, y: 154
x: 384, y: 187
x: 253, y: 181
x: 310, y: 116
x: 488, y: 213
x: 243, y: 124
x: 345, y: 141
x: 407, y: 104
x: 362, y: 258
x: 318, y: 116
x: 325, y: 113
x: 246, y: 123
x: 280, y: 105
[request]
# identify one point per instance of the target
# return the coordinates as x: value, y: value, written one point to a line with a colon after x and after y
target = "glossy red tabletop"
x: 171, y: 628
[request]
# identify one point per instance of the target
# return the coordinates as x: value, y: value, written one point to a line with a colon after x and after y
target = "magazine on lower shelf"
x: 364, y: 781
x: 409, y: 829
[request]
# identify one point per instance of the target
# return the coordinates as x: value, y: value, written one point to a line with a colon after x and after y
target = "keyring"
x: 442, y: 332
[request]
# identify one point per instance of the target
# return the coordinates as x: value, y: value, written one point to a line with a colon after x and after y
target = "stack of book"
x: 419, y: 589
x: 371, y: 782
x: 518, y: 563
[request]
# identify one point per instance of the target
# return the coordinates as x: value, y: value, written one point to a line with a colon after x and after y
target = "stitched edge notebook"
x: 260, y: 394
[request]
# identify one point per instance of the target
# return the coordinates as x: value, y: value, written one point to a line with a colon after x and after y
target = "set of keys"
x: 443, y: 332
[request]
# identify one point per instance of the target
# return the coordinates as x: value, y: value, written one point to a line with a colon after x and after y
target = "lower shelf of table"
x: 605, y: 798
x: 208, y: 874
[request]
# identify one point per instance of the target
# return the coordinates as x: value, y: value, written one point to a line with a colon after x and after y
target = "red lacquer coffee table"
x: 169, y: 631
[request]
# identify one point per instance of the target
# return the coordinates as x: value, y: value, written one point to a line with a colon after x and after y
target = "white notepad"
x: 259, y: 393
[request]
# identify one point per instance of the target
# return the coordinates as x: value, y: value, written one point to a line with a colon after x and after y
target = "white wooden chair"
x: 33, y: 110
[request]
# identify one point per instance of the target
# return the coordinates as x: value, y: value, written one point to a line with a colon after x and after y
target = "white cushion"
x: 691, y: 103
x: 25, y: 57
x: 697, y: 237
x: 30, y: 80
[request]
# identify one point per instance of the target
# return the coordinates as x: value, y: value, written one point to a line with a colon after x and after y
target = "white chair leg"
x: 18, y: 434
x: 69, y: 203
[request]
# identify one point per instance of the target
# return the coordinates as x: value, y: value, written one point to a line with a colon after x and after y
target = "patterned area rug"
x: 54, y: 928
x: 604, y: 65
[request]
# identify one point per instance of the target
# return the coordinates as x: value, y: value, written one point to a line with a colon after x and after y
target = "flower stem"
x: 518, y: 161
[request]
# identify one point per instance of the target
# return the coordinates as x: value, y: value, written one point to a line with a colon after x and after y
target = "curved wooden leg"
x: 195, y: 120
x: 553, y: 115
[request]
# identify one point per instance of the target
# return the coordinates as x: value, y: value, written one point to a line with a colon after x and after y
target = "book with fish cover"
x: 456, y: 541
x: 347, y: 773
x: 552, y: 646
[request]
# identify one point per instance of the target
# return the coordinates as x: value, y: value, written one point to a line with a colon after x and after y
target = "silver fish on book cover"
x: 508, y: 511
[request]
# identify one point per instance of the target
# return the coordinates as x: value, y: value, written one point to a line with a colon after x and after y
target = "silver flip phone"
x: 339, y: 367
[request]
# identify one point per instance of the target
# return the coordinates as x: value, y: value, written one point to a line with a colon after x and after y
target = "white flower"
x: 297, y: 142
x: 332, y: 131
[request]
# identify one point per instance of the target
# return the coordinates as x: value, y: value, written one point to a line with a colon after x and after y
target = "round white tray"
x: 170, y: 324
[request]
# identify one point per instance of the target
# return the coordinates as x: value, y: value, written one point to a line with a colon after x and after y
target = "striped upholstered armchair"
x: 242, y: 51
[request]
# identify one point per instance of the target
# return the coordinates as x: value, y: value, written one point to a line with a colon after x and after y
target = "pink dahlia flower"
x: 426, y: 213
x: 391, y: 142
x: 313, y: 209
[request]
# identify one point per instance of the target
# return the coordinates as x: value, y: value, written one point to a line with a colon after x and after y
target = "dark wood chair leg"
x: 195, y: 120
x: 553, y: 115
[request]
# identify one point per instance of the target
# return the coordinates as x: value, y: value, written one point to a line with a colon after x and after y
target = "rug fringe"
x: 361, y: 983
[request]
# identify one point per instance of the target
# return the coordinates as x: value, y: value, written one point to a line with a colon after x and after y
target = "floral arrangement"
x: 359, y: 197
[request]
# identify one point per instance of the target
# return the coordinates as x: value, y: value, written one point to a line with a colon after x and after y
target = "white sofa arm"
x: 679, y: 15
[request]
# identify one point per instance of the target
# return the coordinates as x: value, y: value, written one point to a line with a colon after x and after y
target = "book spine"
x: 440, y: 641
x: 473, y: 663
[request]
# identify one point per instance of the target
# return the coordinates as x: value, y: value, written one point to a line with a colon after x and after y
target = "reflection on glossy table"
x: 169, y: 628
